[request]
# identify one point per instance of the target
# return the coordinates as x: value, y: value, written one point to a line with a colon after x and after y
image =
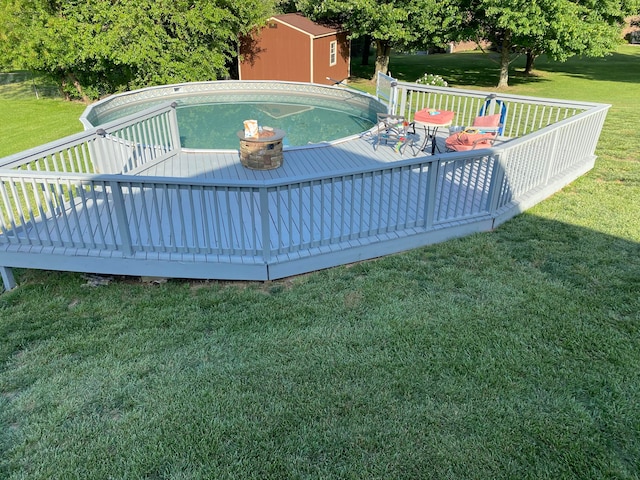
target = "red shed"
x: 293, y: 48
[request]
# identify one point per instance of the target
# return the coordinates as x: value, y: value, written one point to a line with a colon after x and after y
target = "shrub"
x: 430, y: 79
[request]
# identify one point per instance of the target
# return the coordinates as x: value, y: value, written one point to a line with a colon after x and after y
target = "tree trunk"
x: 366, y: 49
x: 72, y: 78
x: 531, y: 59
x: 63, y: 89
x: 383, y: 50
x: 505, y: 60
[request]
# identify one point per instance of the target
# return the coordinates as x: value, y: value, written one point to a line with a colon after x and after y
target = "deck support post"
x: 7, y: 278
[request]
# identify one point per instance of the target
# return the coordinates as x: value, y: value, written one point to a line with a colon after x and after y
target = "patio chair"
x: 393, y: 129
x: 494, y: 106
x: 484, y: 131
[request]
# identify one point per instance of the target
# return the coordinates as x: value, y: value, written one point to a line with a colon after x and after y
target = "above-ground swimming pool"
x: 211, y: 113
x: 215, y: 125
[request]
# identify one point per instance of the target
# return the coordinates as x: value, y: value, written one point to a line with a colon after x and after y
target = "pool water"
x: 214, y: 125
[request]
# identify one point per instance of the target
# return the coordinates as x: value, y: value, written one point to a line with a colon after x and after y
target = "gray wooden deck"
x: 300, y: 163
x: 310, y: 222
x: 218, y: 232
x: 102, y: 201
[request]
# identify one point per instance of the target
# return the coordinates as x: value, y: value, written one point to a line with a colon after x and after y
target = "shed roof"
x: 304, y: 24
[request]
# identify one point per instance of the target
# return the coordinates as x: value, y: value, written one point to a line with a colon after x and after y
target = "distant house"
x: 631, y: 31
x: 467, y: 46
x: 291, y: 47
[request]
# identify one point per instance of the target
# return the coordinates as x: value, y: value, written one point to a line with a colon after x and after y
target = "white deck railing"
x: 81, y: 193
x: 115, y: 147
x: 524, y: 115
x: 49, y: 191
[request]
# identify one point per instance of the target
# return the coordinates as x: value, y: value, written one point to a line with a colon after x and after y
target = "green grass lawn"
x: 513, y: 354
x: 30, y: 120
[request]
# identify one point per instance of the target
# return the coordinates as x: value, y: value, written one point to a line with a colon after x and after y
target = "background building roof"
x: 306, y: 25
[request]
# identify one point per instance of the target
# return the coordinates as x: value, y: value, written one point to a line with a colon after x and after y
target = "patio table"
x: 430, y: 119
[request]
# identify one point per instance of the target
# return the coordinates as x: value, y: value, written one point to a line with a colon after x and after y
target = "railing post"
x: 7, y: 278
x: 430, y: 197
x: 98, y: 154
x: 121, y: 217
x: 497, y: 180
x: 265, y: 218
x: 551, y: 158
x: 173, y: 125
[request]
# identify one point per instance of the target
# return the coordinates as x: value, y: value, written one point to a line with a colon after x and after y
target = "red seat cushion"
x: 467, y: 141
x: 430, y: 115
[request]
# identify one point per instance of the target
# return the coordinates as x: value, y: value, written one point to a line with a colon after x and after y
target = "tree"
x: 504, y: 23
x: 578, y: 27
x: 388, y: 24
x: 558, y: 28
x: 102, y: 46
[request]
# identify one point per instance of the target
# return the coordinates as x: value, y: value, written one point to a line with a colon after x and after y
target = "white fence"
x: 81, y: 195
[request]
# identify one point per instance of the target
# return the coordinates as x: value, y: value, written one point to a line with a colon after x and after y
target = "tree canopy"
x: 102, y: 46
x: 559, y: 28
x: 94, y: 47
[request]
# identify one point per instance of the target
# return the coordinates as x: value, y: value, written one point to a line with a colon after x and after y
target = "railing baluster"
x: 26, y: 195
x: 288, y: 243
x: 208, y: 243
x: 71, y: 187
x: 196, y: 244
x: 217, y: 215
x: 87, y: 239
x: 265, y: 221
x: 9, y: 224
x: 39, y: 190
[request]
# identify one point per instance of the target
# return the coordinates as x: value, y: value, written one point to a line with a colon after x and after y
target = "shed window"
x: 333, y: 48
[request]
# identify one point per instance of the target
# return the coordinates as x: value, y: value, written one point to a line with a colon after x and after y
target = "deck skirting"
x: 221, y: 267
